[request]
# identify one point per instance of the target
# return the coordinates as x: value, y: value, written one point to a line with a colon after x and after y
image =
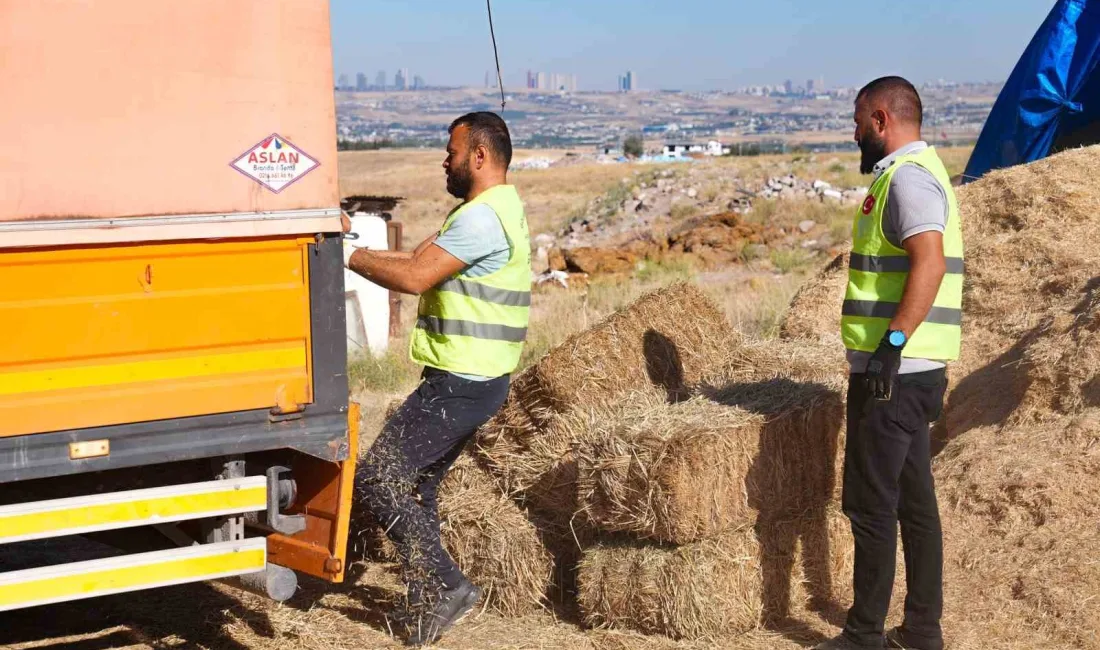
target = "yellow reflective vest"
x: 878, y: 271
x: 477, y: 325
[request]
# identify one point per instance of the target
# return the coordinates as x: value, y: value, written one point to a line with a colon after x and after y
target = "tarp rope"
x: 496, y: 54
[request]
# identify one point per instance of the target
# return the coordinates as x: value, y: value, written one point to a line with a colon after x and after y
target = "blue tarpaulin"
x: 1052, y: 96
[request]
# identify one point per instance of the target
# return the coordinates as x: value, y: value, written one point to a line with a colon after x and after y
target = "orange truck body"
x: 158, y: 302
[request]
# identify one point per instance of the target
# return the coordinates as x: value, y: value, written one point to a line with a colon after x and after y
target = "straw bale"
x: 493, y: 541
x: 814, y: 312
x: 668, y: 338
x: 801, y: 360
x: 689, y: 471
x: 727, y: 585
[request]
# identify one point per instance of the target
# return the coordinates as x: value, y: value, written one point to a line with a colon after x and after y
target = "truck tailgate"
x: 104, y: 335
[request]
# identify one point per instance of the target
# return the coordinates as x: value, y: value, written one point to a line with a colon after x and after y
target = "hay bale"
x: 487, y: 534
x: 493, y: 541
x: 801, y: 360
x: 671, y: 473
x: 727, y: 585
x: 687, y: 472
x: 668, y: 338
x: 664, y: 343
x: 814, y: 312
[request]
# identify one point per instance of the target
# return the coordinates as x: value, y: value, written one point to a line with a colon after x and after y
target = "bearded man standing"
x: 901, y: 324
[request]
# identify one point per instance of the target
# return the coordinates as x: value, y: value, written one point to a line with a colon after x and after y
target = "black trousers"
x: 887, y: 480
x: 408, y: 461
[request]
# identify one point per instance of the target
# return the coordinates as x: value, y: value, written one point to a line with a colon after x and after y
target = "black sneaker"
x: 450, y: 608
x: 898, y: 638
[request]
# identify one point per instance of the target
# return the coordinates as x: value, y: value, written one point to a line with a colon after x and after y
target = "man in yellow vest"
x: 474, y: 282
x: 901, y: 324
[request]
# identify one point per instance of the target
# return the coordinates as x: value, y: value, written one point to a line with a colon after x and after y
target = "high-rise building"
x: 628, y: 82
x: 572, y: 83
x: 342, y: 82
x: 809, y: 86
x: 542, y: 81
x: 361, y: 82
x: 788, y: 87
x: 532, y: 81
x: 380, y: 81
x: 418, y: 83
x: 401, y: 79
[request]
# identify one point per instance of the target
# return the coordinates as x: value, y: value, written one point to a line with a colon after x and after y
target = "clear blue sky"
x: 686, y: 44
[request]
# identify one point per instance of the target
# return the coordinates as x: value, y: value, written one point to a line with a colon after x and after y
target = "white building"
x: 712, y: 148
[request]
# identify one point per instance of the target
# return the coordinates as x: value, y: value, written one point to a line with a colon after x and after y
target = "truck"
x: 173, y: 362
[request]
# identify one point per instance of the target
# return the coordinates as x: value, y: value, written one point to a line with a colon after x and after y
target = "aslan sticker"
x: 275, y: 163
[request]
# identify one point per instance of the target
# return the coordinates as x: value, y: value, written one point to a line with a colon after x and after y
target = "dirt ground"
x: 321, y: 617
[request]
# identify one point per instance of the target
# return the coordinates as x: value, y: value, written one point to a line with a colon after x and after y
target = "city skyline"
x: 693, y: 45
x: 628, y: 82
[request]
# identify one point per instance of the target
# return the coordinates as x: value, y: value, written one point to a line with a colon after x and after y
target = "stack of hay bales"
x: 663, y: 345
x: 682, y: 475
x: 504, y: 515
x: 721, y: 507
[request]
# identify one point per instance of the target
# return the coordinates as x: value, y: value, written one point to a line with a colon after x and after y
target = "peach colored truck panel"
x: 118, y: 109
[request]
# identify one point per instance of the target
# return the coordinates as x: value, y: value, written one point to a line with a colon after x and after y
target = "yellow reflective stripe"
x: 118, y: 515
x: 93, y: 581
x: 207, y: 365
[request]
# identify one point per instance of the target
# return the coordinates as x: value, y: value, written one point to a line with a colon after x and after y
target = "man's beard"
x: 873, y: 149
x: 459, y: 181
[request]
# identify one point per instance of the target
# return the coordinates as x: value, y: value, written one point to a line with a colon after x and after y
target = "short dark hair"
x: 490, y: 130
x: 899, y: 95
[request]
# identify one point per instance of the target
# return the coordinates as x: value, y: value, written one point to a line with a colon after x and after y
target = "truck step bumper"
x: 65, y: 582
x: 94, y: 513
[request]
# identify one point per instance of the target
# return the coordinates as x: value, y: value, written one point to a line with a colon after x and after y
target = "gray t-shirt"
x: 477, y: 238
x: 916, y: 203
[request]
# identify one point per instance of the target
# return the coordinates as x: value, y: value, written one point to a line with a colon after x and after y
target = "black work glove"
x: 882, y: 370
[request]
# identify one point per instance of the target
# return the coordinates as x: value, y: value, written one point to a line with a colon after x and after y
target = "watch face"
x: 897, y: 339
